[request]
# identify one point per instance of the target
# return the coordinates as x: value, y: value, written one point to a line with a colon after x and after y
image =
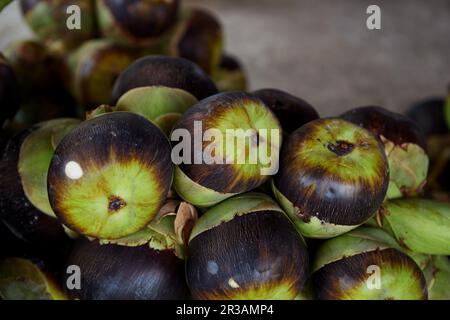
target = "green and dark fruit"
x: 25, y: 220
x: 222, y: 165
x: 246, y: 248
x: 50, y: 19
x: 9, y: 91
x: 429, y: 116
x: 358, y: 266
x: 230, y: 75
x: 333, y: 177
x: 404, y: 144
x: 198, y: 37
x: 94, y: 68
x: 114, y: 272
x: 292, y: 111
x: 35, y: 67
x: 136, y: 22
x: 164, y: 71
x: 109, y: 177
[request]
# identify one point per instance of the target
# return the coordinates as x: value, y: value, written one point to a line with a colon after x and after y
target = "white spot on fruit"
x: 212, y: 267
x: 73, y: 170
x: 232, y: 283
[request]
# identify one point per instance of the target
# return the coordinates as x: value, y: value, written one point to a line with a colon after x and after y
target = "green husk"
x: 161, y: 105
x: 363, y: 239
x: 236, y: 206
x: 408, y: 167
x: 314, y: 228
x: 420, y: 225
x: 34, y: 160
x: 194, y: 193
x: 437, y: 275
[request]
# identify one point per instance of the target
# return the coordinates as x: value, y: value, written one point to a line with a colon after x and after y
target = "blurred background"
x: 322, y: 50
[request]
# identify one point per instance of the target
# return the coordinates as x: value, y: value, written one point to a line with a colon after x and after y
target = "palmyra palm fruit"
x: 109, y: 177
x: 136, y: 22
x: 366, y: 264
x: 230, y: 75
x: 164, y: 71
x: 69, y: 22
x: 198, y: 37
x: 224, y: 145
x: 94, y: 68
x: 112, y: 272
x: 246, y: 248
x: 333, y: 177
x: 292, y: 111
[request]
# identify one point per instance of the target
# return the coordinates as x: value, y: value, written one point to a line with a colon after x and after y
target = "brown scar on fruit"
x: 304, y: 216
x: 401, y: 242
x: 115, y: 204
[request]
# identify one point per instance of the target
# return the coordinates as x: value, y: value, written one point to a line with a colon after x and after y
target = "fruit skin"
x: 35, y: 155
x: 246, y: 248
x: 341, y: 269
x: 420, y: 225
x: 9, y: 91
x: 21, y: 279
x: 135, y: 22
x: 333, y: 177
x: 198, y: 37
x: 428, y: 114
x: 207, y: 184
x: 116, y: 186
x: 164, y: 71
x: 94, y: 68
x: 35, y: 67
x: 292, y: 111
x: 21, y: 217
x: 404, y: 144
x: 230, y: 75
x: 48, y: 19
x: 113, y: 272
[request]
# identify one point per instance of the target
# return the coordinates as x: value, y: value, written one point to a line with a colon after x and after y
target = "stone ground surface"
x: 322, y: 51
